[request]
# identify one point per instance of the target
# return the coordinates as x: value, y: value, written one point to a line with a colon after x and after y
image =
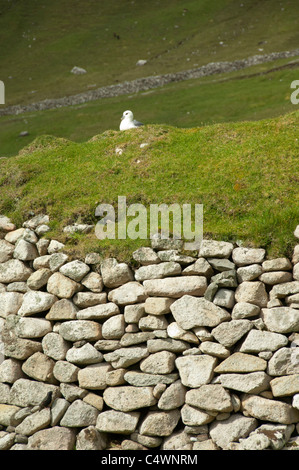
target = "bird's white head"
x: 128, y: 115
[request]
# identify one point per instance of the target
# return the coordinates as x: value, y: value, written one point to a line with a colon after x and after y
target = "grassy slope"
x: 245, y: 174
x: 41, y: 40
x: 238, y: 96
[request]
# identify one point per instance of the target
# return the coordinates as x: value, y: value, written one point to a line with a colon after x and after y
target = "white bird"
x: 128, y: 121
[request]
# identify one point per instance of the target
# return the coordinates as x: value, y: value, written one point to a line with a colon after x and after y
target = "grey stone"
x: 91, y: 439
x: 87, y: 354
x: 39, y: 278
x: 278, y: 277
x: 240, y: 362
x: 285, y: 361
x: 56, y: 261
x: 228, y: 333
x: 93, y: 377
x: 114, y: 327
x: 265, y: 409
x: 158, y: 271
x: 129, y: 398
x: 173, y: 397
x: 196, y: 370
x: 254, y: 382
x: 10, y: 371
x: 55, y: 438
x: 195, y: 417
x: 146, y: 256
x: 98, y: 312
x: 281, y: 319
x: 25, y: 251
x: 215, y: 249
x: 127, y: 294
x: 62, y: 286
x: 14, y: 270
x: 249, y: 273
x: 63, y: 309
x: 58, y: 408
x: 115, y: 274
x: 63, y: 371
x: 285, y: 386
x: 10, y: 303
x: 231, y: 430
x: 93, y: 281
x: 166, y: 344
x: 158, y: 363
x: 55, y: 346
x: 224, y: 298
x: 75, y: 270
x: 245, y: 310
x: 133, y: 313
x: 141, y: 379
x: 243, y: 256
x: 176, y: 287
x: 153, y: 322
x: 79, y: 414
x: 257, y: 341
x: 158, y: 305
x: 36, y: 302
x: 117, y: 422
x: 25, y: 392
x: 39, y: 367
x: 34, y: 423
x: 253, y: 292
x: 77, y: 330
x: 28, y: 327
x: 125, y: 357
x: 201, y: 267
x: 160, y: 423
x: 6, y: 251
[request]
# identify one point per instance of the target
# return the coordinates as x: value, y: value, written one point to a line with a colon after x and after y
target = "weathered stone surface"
x: 253, y: 292
x: 62, y: 286
x: 125, y: 357
x: 269, y: 410
x: 113, y: 421
x: 257, y: 341
x: 133, y: 313
x: 55, y: 246
x: 195, y: 417
x: 10, y: 371
x: 114, y: 327
x: 98, y: 312
x: 231, y: 430
x: 285, y: 386
x: 10, y: 303
x: 173, y: 397
x: 56, y: 438
x: 39, y: 278
x: 63, y: 371
x: 211, y: 397
x: 93, y: 377
x: 158, y: 363
x: 36, y: 302
x: 34, y: 423
x: 115, y: 274
x: 91, y: 439
x: 6, y: 251
x: 201, y: 267
x: 129, y: 398
x: 6, y: 413
x: 158, y: 271
x: 285, y: 361
x: 277, y: 264
x: 249, y: 273
x: 63, y: 309
x: 94, y: 400
x: 160, y: 423
x: 142, y: 379
x: 278, y: 277
x: 130, y: 339
x: 176, y: 287
x: 77, y: 330
x: 167, y: 344
x: 93, y: 281
x: 221, y: 264
x: 55, y: 346
x: 240, y: 362
x: 281, y: 319
x: 196, y: 370
x: 25, y: 392
x: 14, y: 270
x: 281, y: 290
x: 127, y: 294
x: 208, y: 444
x: 224, y: 298
x: 75, y: 270
x: 146, y: 256
x: 245, y: 310
x: 56, y: 260
x: 89, y: 299
x: 158, y: 305
x: 79, y: 414
x: 72, y: 392
x: 86, y: 354
x: 18, y: 348
x: 228, y: 333
x: 254, y: 382
x: 39, y: 367
x: 25, y: 251
x: 174, y: 331
x: 243, y: 256
x: 190, y: 312
x: 215, y: 249
x: 153, y: 322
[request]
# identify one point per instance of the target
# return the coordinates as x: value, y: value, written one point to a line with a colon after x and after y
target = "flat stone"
x: 190, y: 312
x: 117, y: 422
x: 98, y: 312
x: 159, y: 243
x: 158, y: 305
x: 14, y: 270
x: 35, y: 422
x: 133, y: 313
x: 160, y: 423
x: 39, y: 278
x: 85, y: 355
x: 63, y: 371
x: 176, y: 287
x: 240, y: 362
x: 269, y: 410
x: 62, y: 286
x: 254, y: 382
x: 278, y: 264
x: 114, y: 327
x: 281, y: 290
x: 129, y: 398
x: 279, y: 277
x: 210, y: 397
x: 231, y: 430
x: 257, y: 341
x: 79, y: 414
x: 215, y: 249
x: 243, y: 256
x: 18, y: 348
x: 253, y: 292
x: 142, y: 379
x: 93, y: 377
x: 56, y: 438
x: 281, y: 319
x: 36, y: 302
x: 224, y: 298
x: 77, y: 330
x: 249, y: 273
x: 28, y: 327
x: 285, y: 386
x: 72, y: 392
x: 130, y: 339
x: 39, y: 367
x: 214, y: 349
x: 158, y: 271
x: 153, y: 322
x: 91, y: 439
x: 125, y: 357
x: 6, y: 251
x: 201, y: 267
x: 285, y: 361
x: 173, y: 397
x: 221, y: 264
x: 174, y: 331
x: 115, y: 274
x: 55, y: 346
x: 158, y: 363
x: 195, y: 417
x: 228, y: 333
x: 196, y: 370
x: 127, y: 294
x: 25, y: 251
x: 167, y: 344
x: 93, y: 281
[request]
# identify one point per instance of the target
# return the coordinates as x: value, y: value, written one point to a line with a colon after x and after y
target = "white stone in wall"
x: 215, y: 249
x: 158, y: 271
x: 128, y: 398
x: 196, y: 370
x: 269, y: 410
x: 75, y: 270
x: 36, y: 302
x: 14, y: 270
x: 243, y: 256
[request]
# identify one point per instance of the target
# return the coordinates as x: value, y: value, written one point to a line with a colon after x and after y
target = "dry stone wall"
x: 180, y: 352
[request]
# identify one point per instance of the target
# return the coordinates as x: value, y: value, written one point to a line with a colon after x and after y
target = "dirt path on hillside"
x: 148, y: 83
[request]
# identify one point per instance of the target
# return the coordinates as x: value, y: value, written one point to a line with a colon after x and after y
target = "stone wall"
x: 179, y: 352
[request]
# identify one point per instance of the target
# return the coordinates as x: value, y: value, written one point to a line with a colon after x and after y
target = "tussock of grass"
x: 245, y: 174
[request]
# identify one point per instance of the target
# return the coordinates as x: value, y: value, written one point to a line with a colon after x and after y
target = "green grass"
x: 256, y: 93
x: 245, y: 174
x: 41, y: 40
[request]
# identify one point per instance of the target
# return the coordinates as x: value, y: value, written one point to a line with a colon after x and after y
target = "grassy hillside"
x: 245, y: 174
x: 42, y: 40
